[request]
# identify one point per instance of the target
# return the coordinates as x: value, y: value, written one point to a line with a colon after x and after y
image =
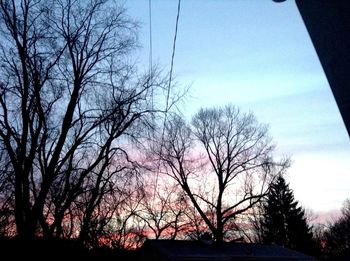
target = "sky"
x: 257, y: 54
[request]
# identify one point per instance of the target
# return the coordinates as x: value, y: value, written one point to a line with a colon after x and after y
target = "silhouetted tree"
x: 284, y: 222
x: 163, y: 210
x: 69, y: 100
x: 7, y: 224
x: 223, y: 162
x: 113, y: 221
x: 337, y: 236
x: 254, y: 221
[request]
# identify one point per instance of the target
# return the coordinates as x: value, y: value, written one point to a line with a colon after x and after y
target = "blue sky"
x: 257, y: 54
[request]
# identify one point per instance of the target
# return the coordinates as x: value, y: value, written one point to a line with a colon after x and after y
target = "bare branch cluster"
x: 71, y: 100
x: 223, y: 161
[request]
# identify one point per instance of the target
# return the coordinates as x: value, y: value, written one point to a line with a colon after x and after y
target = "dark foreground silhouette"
x: 64, y: 250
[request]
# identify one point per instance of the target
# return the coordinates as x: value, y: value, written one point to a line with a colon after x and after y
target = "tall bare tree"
x: 69, y: 100
x: 231, y: 152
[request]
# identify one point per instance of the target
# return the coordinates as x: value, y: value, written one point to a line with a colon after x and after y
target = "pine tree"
x: 284, y: 222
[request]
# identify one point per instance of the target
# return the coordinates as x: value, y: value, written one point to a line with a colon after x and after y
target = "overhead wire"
x: 170, y: 75
x: 150, y: 35
x: 150, y: 57
x: 172, y: 59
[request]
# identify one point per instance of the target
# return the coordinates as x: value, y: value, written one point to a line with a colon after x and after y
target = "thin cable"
x: 170, y: 75
x: 150, y: 67
x: 150, y: 34
x: 169, y: 86
x: 150, y: 58
x: 172, y: 59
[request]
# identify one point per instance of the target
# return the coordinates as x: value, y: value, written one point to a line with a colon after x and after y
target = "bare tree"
x: 197, y: 227
x: 163, y: 209
x: 7, y: 224
x: 231, y: 152
x: 69, y: 100
x: 336, y: 237
x: 124, y: 231
x: 254, y: 218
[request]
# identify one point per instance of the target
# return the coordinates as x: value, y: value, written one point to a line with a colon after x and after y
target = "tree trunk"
x: 219, y: 235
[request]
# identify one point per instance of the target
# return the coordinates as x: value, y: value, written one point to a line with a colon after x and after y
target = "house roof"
x: 178, y: 250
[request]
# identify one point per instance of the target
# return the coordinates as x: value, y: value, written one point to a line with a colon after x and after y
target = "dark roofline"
x: 170, y: 250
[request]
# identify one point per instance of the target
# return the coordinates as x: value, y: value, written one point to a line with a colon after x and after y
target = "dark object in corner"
x: 328, y: 24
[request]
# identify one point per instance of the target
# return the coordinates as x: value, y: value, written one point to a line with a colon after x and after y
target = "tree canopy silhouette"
x: 336, y: 237
x: 223, y: 161
x: 284, y: 222
x: 70, y: 96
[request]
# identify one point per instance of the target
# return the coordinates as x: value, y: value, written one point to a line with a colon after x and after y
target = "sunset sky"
x: 258, y: 55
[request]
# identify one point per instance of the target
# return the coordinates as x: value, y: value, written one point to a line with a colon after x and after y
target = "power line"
x: 169, y: 85
x: 172, y: 59
x: 150, y: 57
x: 150, y: 34
x: 170, y: 74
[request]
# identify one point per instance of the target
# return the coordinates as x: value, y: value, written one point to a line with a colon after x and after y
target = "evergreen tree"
x: 284, y: 222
